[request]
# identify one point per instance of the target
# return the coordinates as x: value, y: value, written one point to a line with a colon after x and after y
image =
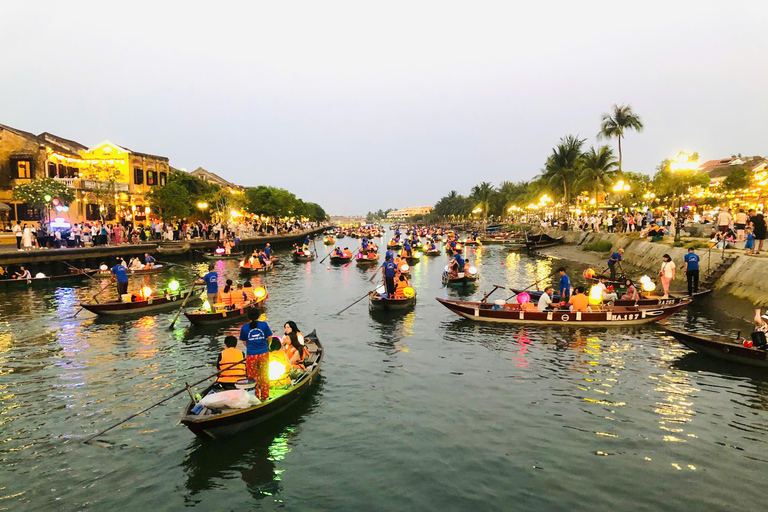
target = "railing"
x: 81, y: 184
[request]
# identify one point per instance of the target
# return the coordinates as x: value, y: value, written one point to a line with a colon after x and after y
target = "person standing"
x: 211, y: 280
x: 759, y: 230
x: 120, y: 273
x: 26, y: 237
x: 691, y: 268
x: 255, y: 335
x: 724, y: 220
x: 389, y: 270
x: 740, y: 225
x: 612, y: 261
x: 18, y: 232
x: 565, y: 285
x: 667, y: 273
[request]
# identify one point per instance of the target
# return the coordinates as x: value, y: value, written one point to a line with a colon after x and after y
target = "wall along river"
x: 417, y: 411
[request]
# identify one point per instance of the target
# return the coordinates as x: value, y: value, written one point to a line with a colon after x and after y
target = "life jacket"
x: 235, y: 372
x: 400, y: 289
x: 290, y: 352
x: 347, y: 254
x: 249, y: 295
x: 226, y: 297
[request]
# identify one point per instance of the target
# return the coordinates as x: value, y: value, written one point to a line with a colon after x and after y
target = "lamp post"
x: 683, y: 162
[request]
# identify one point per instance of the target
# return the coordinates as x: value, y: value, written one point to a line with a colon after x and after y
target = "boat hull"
x: 297, y: 257
x: 721, y: 347
x: 340, y: 260
x: 44, y: 281
x: 139, y: 307
x: 378, y: 304
x: 215, y: 257
x: 462, y: 280
x: 651, y: 301
x: 367, y: 261
x: 203, y: 319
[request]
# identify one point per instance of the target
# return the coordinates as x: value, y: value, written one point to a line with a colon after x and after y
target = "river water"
x: 422, y: 411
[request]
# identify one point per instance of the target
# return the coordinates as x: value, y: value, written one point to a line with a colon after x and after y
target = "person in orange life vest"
x: 231, y: 364
x: 227, y: 295
x: 346, y: 253
x: 293, y: 344
x: 402, y: 284
x: 248, y: 292
x: 337, y: 253
x: 238, y: 296
x: 256, y: 336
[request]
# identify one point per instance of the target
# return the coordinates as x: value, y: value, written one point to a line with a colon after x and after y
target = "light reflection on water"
x: 451, y: 413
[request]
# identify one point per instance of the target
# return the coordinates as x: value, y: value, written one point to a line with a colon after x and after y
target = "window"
x: 26, y: 212
x: 163, y: 178
x: 92, y: 211
x: 72, y: 172
x: 23, y: 169
x: 138, y: 176
x: 52, y: 171
x: 151, y: 178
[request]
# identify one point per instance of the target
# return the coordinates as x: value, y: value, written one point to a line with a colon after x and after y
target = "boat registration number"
x: 667, y: 302
x: 625, y: 316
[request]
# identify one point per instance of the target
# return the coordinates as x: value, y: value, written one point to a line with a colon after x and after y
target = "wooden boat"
x: 214, y: 256
x: 515, y: 247
x: 329, y: 240
x: 116, y: 308
x: 493, y: 240
x: 156, y: 269
x: 340, y: 260
x: 541, y: 240
x: 47, y: 280
x: 214, y: 424
x: 172, y: 248
x: 340, y: 235
x: 608, y: 316
x: 462, y: 279
x: 394, y: 247
x: 645, y: 299
x: 435, y: 252
x: 469, y: 241
x: 376, y: 302
x: 412, y: 260
x: 256, y: 270
x: 365, y: 260
x: 202, y: 317
x: 302, y: 257
x: 721, y: 347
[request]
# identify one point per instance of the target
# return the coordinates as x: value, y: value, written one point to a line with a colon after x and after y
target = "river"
x: 421, y: 411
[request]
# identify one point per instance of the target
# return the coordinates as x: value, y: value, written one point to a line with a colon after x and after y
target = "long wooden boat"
x: 214, y: 256
x: 542, y: 240
x: 493, y: 240
x: 365, y: 260
x: 462, y: 279
x: 376, y: 302
x: 47, y: 280
x: 512, y: 314
x: 202, y: 317
x: 302, y: 257
x: 340, y: 260
x: 150, y: 305
x: 430, y: 252
x: 721, y: 347
x: 645, y: 300
x: 514, y: 247
x: 215, y: 424
x: 256, y: 270
x: 172, y: 248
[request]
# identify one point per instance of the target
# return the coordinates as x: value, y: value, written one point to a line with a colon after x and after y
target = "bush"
x: 677, y: 244
x: 698, y: 244
x: 598, y: 246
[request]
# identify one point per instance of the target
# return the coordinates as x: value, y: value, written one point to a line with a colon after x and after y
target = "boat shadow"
x: 253, y: 453
x: 694, y: 362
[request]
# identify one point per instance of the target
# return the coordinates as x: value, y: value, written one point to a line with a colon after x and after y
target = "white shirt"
x: 723, y: 218
x: 17, y: 229
x: 544, y: 301
x: 668, y: 269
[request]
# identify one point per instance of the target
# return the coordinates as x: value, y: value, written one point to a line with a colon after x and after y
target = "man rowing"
x: 388, y: 272
x: 613, y: 260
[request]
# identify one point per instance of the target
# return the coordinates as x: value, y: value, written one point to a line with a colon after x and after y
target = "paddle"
x: 162, y: 401
x: 326, y: 256
x: 79, y: 270
x: 358, y: 300
x: 532, y: 285
x: 182, y: 305
x: 176, y: 265
x: 94, y: 298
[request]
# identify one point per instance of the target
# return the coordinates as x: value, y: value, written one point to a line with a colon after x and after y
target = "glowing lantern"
x: 220, y: 250
x: 173, y: 285
x: 146, y: 292
x: 260, y: 292
x: 523, y: 298
x: 276, y: 370
x: 645, y: 279
x: 381, y: 289
x: 405, y: 268
x: 47, y: 198
x: 409, y: 292
x: 207, y: 306
x: 472, y: 270
x: 595, y: 295
x: 589, y: 273
x: 649, y: 286
x: 39, y: 275
x: 417, y: 255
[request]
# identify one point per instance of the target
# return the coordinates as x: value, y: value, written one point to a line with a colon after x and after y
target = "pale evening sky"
x: 362, y: 105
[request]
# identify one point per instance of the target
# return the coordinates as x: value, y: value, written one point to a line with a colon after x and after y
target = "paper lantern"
x: 595, y: 295
x: 523, y: 298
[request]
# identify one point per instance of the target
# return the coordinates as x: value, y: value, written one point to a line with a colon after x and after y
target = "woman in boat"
x: 667, y: 274
x: 248, y: 293
x: 631, y: 293
x: 457, y: 265
x: 23, y: 273
x: 135, y: 264
x: 293, y: 344
x: 227, y: 295
x: 256, y: 336
x: 231, y: 365
x: 402, y: 284
x: 346, y: 253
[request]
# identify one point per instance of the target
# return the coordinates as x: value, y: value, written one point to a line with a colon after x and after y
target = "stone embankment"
x: 729, y: 271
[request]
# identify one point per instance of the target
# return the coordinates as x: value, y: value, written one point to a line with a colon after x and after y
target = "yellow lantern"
x: 595, y: 295
x: 649, y: 286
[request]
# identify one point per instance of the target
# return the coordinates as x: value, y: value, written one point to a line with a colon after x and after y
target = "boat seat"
x: 311, y: 348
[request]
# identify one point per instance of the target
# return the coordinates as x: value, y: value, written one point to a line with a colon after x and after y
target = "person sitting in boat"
x: 23, y: 273
x: 364, y: 246
x: 2, y: 273
x: 226, y: 295
x: 293, y: 344
x: 452, y: 245
x: 149, y: 261
x: 231, y: 365
x: 631, y: 293
x: 248, y: 293
x: 346, y: 253
x: 263, y: 260
x: 432, y: 246
x: 238, y: 296
x: 579, y: 301
x: 608, y: 293
x: 402, y: 284
x: 407, y: 250
x: 256, y: 335
x: 457, y: 265
x: 135, y: 264
x: 545, y: 301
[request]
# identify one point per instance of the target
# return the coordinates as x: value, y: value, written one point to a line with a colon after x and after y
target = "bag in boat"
x: 231, y: 399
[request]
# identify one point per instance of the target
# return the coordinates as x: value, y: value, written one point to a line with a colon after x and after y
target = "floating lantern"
x: 595, y: 295
x: 523, y: 298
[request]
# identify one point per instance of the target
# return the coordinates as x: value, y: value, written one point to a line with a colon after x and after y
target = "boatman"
x: 149, y: 261
x: 120, y: 273
x: 612, y: 261
x: 565, y: 285
x: 389, y: 270
x: 268, y: 251
x: 691, y: 267
x: 407, y: 249
x: 458, y: 263
x: 211, y: 280
x: 255, y: 335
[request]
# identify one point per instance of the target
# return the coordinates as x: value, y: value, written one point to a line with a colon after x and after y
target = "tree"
x: 269, y: 201
x: 481, y: 195
x: 599, y: 170
x: 739, y: 177
x: 40, y: 192
x: 671, y: 184
x: 563, y: 166
x: 170, y: 201
x: 223, y: 202
x: 614, y: 125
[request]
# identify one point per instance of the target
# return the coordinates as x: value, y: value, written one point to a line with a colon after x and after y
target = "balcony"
x: 82, y: 184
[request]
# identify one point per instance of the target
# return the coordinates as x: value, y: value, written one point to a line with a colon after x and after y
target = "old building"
x: 210, y: 177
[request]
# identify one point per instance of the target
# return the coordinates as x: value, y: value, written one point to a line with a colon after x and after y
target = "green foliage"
x: 377, y: 216
x: 678, y: 244
x: 197, y: 189
x: 668, y: 183
x: 599, y: 170
x: 563, y: 166
x: 269, y: 201
x: 738, y: 178
x: 34, y: 192
x: 697, y: 244
x: 170, y: 201
x: 598, y: 246
x: 614, y: 125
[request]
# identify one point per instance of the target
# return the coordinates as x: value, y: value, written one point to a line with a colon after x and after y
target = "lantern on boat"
x: 405, y: 268
x: 260, y: 292
x: 409, y: 292
x: 207, y: 306
x: 472, y: 271
x: 589, y: 273
x: 595, y: 295
x: 645, y: 279
x: 276, y: 370
x: 39, y: 275
x: 523, y: 298
x: 173, y: 285
x: 417, y: 255
x: 381, y: 290
x: 649, y: 286
x: 146, y: 292
x: 220, y: 250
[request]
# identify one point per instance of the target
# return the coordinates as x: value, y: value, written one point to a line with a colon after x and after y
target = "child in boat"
x: 231, y: 364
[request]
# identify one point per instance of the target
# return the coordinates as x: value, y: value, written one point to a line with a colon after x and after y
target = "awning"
x: 4, y: 207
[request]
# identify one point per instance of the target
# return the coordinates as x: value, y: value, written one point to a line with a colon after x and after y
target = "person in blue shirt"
x: 389, y: 270
x: 121, y: 274
x: 255, y: 334
x: 337, y: 253
x: 457, y: 265
x: 268, y: 251
x: 432, y: 245
x: 565, y: 285
x: 211, y: 280
x: 306, y: 241
x: 390, y: 254
x: 364, y: 245
x: 149, y: 260
x: 474, y: 236
x: 612, y: 261
x: 407, y: 249
x: 691, y: 268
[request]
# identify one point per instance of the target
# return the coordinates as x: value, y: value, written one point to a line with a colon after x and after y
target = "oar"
x: 326, y: 256
x: 182, y: 305
x: 79, y: 270
x: 161, y: 401
x: 170, y: 264
x: 94, y: 298
x: 358, y: 300
x: 530, y: 286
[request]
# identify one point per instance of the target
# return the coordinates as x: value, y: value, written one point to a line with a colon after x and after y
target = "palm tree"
x: 563, y: 166
x: 599, y: 168
x: 482, y: 195
x: 613, y: 125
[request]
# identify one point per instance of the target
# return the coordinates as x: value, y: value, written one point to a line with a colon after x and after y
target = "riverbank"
x: 730, y: 271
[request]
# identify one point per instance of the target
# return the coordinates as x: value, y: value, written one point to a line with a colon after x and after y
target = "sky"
x: 366, y: 105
